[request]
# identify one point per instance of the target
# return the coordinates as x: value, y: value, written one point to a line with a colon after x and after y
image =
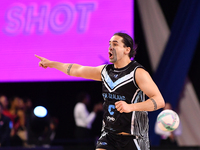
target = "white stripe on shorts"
x: 136, y: 143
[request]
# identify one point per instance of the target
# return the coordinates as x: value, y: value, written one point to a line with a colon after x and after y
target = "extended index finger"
x: 41, y: 58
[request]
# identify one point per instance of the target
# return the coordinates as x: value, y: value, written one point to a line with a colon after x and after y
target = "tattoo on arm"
x: 154, y: 103
x: 69, y: 68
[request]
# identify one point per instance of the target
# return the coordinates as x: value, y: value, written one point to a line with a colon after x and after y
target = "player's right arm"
x: 76, y: 70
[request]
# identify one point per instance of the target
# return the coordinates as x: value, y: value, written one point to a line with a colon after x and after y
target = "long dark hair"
x: 128, y: 42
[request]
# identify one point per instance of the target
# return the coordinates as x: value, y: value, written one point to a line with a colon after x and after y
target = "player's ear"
x: 127, y: 51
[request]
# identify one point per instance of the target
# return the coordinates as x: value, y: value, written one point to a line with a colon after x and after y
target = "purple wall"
x: 71, y: 31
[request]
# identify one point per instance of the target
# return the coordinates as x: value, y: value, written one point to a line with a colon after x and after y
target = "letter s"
x: 15, y: 19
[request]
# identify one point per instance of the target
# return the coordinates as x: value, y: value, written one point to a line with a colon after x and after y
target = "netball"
x: 168, y: 120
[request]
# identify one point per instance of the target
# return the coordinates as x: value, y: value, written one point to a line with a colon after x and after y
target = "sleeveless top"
x: 120, y: 85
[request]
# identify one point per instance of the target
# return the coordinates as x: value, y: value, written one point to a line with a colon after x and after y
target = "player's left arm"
x: 147, y: 85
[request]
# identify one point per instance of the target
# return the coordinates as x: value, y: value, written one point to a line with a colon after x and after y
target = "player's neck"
x: 122, y: 63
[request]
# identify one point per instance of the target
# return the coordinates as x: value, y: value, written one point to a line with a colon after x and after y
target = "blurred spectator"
x: 28, y: 105
x: 4, y: 102
x: 41, y: 130
x: 5, y: 129
x: 28, y: 109
x: 83, y: 118
x: 168, y: 138
x: 16, y: 114
x: 53, y: 126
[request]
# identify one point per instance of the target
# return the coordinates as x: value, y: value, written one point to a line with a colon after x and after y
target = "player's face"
x: 116, y: 49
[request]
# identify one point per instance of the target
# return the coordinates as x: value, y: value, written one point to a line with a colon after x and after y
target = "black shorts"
x: 111, y: 141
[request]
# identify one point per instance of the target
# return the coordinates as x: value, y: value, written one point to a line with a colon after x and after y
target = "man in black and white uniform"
x: 125, y: 84
x: 120, y: 85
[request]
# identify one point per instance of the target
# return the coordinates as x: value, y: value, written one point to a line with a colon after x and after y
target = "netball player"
x: 125, y: 84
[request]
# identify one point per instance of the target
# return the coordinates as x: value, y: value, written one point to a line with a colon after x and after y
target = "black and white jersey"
x: 120, y: 85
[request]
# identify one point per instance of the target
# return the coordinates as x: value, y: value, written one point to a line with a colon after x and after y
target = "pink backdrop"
x: 71, y: 31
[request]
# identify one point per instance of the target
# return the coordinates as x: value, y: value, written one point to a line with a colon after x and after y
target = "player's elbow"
x: 161, y: 103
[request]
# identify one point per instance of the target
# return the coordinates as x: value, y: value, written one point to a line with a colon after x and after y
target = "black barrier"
x: 90, y: 147
x: 79, y: 147
x: 152, y: 148
x: 35, y: 148
x: 175, y: 148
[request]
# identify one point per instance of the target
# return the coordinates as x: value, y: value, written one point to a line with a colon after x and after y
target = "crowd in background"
x: 20, y: 127
x: 17, y: 127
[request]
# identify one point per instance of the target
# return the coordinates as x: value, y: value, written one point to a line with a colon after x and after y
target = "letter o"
x: 53, y: 19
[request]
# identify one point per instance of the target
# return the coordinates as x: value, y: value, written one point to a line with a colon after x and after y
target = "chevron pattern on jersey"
x: 111, y: 86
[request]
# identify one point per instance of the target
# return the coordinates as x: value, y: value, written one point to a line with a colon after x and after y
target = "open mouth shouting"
x: 110, y: 55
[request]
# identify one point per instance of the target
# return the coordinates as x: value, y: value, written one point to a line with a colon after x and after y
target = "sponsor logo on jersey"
x: 113, y: 96
x: 110, y: 109
x: 116, y: 75
x: 110, y: 118
x: 102, y: 143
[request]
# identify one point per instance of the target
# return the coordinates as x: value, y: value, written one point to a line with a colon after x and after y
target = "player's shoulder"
x: 141, y: 75
x: 137, y: 64
x: 101, y: 67
x: 141, y: 71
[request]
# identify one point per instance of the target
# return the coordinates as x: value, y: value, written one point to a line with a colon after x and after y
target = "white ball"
x: 168, y: 120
